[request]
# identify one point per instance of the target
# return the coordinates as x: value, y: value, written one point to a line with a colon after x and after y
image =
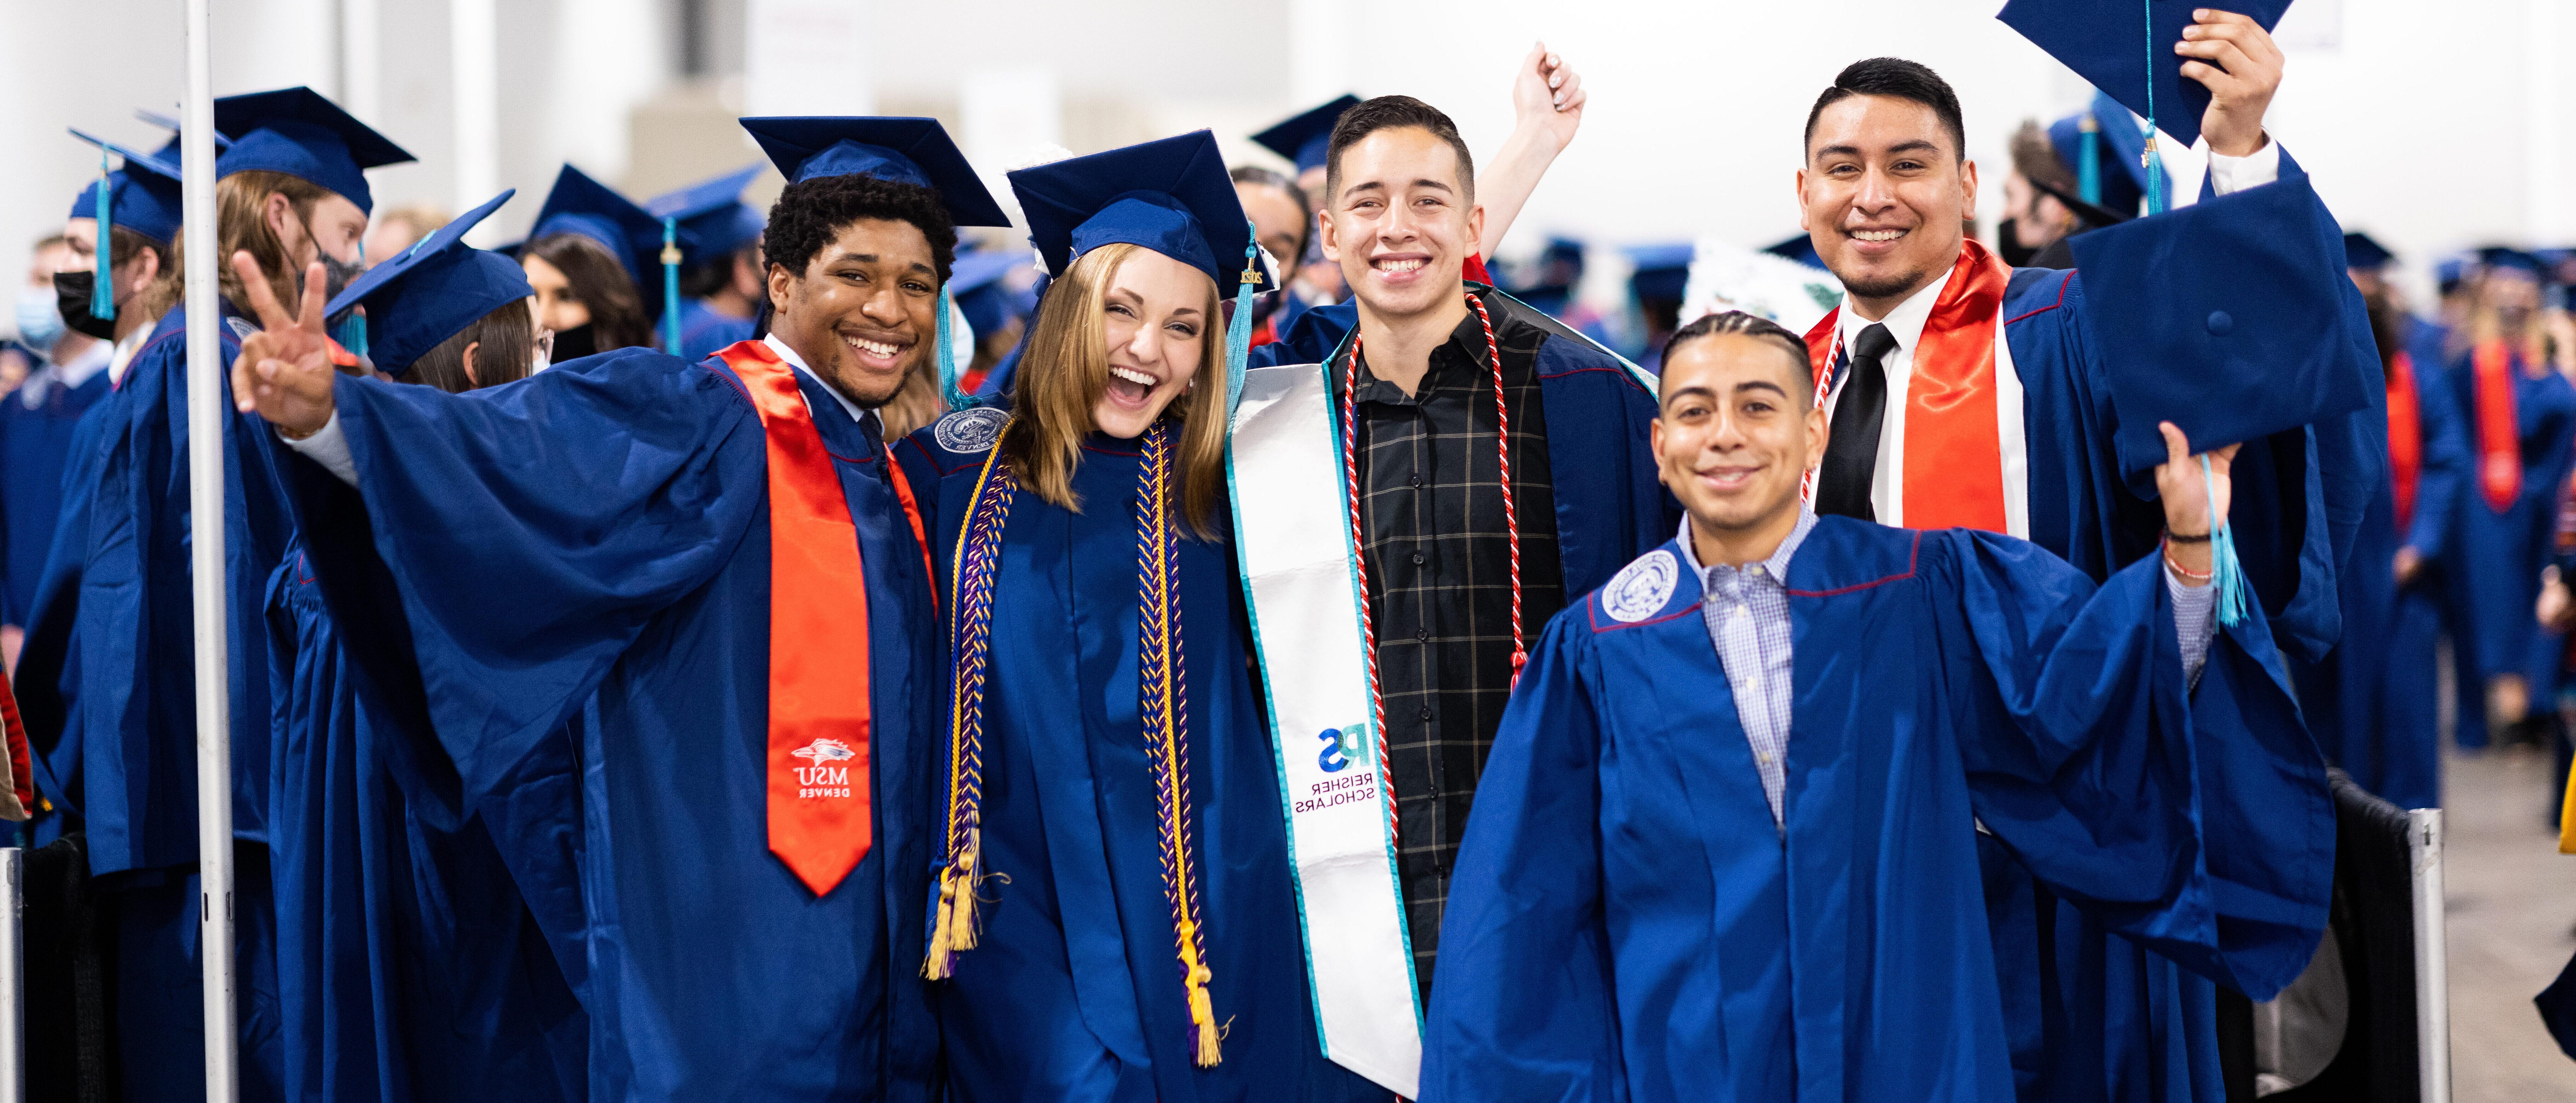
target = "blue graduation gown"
x: 704, y: 332
x: 112, y: 646
x: 591, y: 547
x: 2372, y: 703
x: 35, y: 448
x: 1074, y: 990
x: 2505, y: 550
x: 410, y: 968
x: 1628, y: 923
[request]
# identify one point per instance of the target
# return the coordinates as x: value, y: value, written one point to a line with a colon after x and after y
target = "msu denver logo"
x: 823, y: 779
x: 1342, y: 747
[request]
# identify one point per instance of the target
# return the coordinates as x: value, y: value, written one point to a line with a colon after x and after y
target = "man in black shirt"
x: 1464, y: 555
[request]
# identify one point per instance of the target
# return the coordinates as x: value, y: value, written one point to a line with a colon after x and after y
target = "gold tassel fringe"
x: 954, y: 930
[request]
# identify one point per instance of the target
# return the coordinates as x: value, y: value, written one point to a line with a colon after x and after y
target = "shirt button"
x: 1426, y: 712
x: 1417, y: 559
x: 1754, y: 570
x: 1422, y: 635
x: 1743, y: 611
x: 1415, y: 480
x: 1763, y: 758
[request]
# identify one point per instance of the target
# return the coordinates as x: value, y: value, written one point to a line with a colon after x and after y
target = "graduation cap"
x: 1172, y: 196
x: 426, y: 294
x: 2125, y: 48
x: 1662, y: 271
x: 169, y: 150
x: 713, y: 213
x: 976, y: 283
x: 2362, y: 252
x: 2230, y: 317
x: 297, y: 132
x: 143, y: 196
x: 904, y: 150
x: 1307, y: 138
x: 584, y: 206
x: 2103, y: 133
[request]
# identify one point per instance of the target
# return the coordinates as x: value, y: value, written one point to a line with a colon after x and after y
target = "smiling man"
x: 1964, y: 392
x: 1497, y: 463
x: 1728, y: 843
x: 706, y: 570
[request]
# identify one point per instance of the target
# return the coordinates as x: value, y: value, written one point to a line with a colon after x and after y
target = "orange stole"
x: 2405, y: 439
x: 1954, y: 464
x: 819, y: 728
x: 2498, y: 438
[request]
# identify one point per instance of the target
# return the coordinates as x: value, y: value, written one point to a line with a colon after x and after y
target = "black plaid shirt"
x: 1439, y: 570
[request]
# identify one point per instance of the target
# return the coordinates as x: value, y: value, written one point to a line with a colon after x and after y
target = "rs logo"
x: 1342, y: 747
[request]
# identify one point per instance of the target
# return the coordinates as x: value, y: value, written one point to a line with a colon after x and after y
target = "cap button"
x: 2220, y: 323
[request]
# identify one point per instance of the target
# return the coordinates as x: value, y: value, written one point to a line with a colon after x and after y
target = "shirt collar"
x: 798, y: 362
x: 1777, y: 566
x: 1905, y: 323
x: 82, y: 368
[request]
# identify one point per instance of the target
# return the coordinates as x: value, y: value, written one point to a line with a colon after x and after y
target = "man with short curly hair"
x: 633, y: 595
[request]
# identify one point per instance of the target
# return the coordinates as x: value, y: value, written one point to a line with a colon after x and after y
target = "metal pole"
x: 206, y: 424
x: 13, y: 977
x: 474, y: 67
x: 2432, y: 953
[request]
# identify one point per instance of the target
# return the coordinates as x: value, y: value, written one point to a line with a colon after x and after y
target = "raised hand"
x: 284, y: 372
x: 2193, y: 507
x: 1547, y: 96
x: 2236, y: 59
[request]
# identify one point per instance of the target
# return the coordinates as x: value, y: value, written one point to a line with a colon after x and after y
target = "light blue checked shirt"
x: 1747, y: 612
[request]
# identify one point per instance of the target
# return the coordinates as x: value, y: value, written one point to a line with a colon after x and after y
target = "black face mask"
x: 72, y: 291
x: 2008, y: 245
x: 574, y: 343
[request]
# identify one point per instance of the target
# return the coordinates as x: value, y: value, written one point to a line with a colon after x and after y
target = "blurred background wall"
x: 2432, y: 126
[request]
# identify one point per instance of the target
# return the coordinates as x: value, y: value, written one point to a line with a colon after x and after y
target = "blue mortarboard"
x: 1662, y: 271
x: 169, y: 150
x: 2119, y: 44
x: 2507, y: 258
x: 581, y: 205
x: 2119, y: 176
x: 1308, y: 137
x: 2362, y: 251
x: 1800, y: 248
x: 910, y: 151
x: 713, y: 213
x: 423, y: 295
x: 142, y: 197
x: 2230, y: 317
x: 297, y: 132
x: 976, y: 283
x: 1170, y: 195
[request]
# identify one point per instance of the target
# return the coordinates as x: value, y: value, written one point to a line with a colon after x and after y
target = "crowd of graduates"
x: 862, y: 649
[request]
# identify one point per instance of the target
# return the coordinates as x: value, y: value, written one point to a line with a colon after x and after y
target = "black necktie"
x: 1851, y: 453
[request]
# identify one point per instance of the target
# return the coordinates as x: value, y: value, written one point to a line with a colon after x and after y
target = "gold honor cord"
x: 1163, y: 700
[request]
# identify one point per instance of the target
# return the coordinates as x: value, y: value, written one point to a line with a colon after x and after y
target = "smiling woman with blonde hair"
x: 1113, y: 919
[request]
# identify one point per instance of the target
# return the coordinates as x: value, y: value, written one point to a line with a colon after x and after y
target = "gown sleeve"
x: 2195, y: 820
x: 1521, y: 1003
x: 2446, y: 464
x: 531, y: 530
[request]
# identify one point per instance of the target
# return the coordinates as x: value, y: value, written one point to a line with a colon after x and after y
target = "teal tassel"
x: 1238, y: 331
x: 2155, y: 159
x: 2222, y: 561
x: 949, y: 375
x: 353, y: 332
x: 2088, y: 163
x: 102, y: 289
x: 671, y: 286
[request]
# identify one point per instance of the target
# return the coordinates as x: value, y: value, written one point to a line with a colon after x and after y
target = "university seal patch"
x: 1640, y: 589
x: 970, y: 430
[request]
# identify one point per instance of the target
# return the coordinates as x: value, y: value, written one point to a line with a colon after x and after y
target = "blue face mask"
x: 39, y: 323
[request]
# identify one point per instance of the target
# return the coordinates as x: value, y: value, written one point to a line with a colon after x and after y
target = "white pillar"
x: 2549, y: 212
x: 808, y: 57
x: 1321, y: 51
x: 13, y: 983
x: 206, y: 415
x: 474, y: 67
x: 361, y: 61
